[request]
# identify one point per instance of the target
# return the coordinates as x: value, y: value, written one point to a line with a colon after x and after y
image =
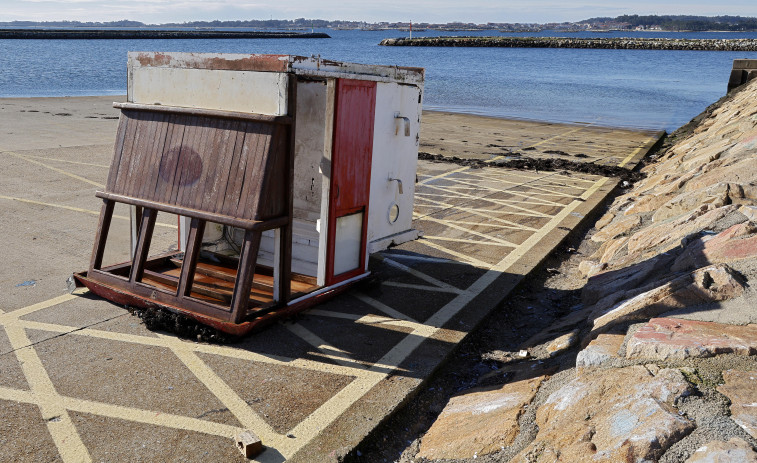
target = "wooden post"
x: 285, y: 252
x: 146, y: 228
x: 106, y: 214
x: 240, y: 299
x: 189, y: 264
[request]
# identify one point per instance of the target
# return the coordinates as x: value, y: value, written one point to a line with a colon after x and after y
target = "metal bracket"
x: 398, y: 122
x: 399, y: 183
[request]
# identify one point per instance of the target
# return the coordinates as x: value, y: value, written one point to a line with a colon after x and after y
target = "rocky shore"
x: 150, y: 34
x: 644, y: 345
x: 562, y: 42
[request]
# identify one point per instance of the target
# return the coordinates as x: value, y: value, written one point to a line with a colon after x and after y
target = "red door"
x: 350, y: 179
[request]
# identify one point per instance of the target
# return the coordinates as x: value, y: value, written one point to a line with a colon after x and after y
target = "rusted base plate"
x: 253, y: 323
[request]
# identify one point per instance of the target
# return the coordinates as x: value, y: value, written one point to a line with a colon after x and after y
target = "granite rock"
x: 479, y: 422
x: 675, y: 339
x: 735, y: 450
x: 741, y: 389
x: 611, y: 415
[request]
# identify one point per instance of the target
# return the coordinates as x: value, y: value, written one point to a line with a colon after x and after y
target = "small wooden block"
x: 249, y: 444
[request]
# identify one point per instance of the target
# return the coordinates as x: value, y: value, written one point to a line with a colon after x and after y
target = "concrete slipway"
x: 83, y: 380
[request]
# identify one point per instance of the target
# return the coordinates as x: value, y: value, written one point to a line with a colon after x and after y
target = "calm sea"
x: 627, y: 88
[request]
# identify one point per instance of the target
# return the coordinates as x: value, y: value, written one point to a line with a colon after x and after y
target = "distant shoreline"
x: 151, y: 34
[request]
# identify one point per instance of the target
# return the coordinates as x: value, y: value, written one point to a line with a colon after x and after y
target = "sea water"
x: 647, y: 89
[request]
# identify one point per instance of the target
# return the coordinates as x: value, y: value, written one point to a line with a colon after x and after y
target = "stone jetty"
x: 658, y: 363
x: 151, y: 34
x: 623, y: 43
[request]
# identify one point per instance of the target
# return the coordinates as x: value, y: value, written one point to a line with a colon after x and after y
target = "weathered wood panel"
x: 228, y: 167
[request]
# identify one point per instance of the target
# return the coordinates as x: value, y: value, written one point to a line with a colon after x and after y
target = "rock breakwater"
x: 663, y: 367
x: 621, y: 43
x: 150, y: 34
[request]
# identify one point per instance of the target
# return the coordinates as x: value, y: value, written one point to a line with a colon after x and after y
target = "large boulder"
x: 676, y: 339
x: 709, y: 284
x: 610, y: 415
x: 479, y: 422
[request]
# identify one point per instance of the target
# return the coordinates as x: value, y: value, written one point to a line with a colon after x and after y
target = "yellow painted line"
x: 128, y: 414
x: 381, y: 307
x: 496, y: 175
x: 55, y: 169
x: 490, y: 239
x: 464, y: 257
x: 14, y: 314
x: 495, y: 226
x: 489, y: 212
x: 277, y: 360
x: 332, y: 409
x: 495, y: 201
x: 417, y: 274
x: 532, y: 240
x: 340, y: 356
x: 150, y: 417
x: 15, y: 395
x: 420, y: 258
x: 487, y: 197
x: 396, y: 284
x: 435, y: 177
x: 578, y: 129
x: 204, y: 348
x: 77, y: 209
x: 509, y: 190
x: 366, y: 319
x: 475, y: 211
x: 66, y: 161
x: 634, y: 153
x: 59, y: 423
x: 224, y: 393
x: 338, y: 404
x: 461, y: 240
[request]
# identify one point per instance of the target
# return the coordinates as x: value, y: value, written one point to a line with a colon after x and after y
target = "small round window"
x: 394, y: 213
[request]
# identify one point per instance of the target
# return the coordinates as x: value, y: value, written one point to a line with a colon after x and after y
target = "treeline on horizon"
x: 665, y: 22
x: 686, y: 22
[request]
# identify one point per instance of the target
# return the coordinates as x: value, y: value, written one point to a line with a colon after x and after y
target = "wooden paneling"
x: 229, y: 168
x: 233, y: 167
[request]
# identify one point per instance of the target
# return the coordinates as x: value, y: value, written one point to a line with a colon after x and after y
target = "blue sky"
x: 477, y: 11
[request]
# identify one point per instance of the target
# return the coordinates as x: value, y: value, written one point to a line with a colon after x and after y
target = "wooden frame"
x: 198, y: 153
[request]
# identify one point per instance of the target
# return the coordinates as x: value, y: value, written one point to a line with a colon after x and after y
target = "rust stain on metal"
x: 269, y: 63
x: 153, y: 59
x: 265, y: 63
